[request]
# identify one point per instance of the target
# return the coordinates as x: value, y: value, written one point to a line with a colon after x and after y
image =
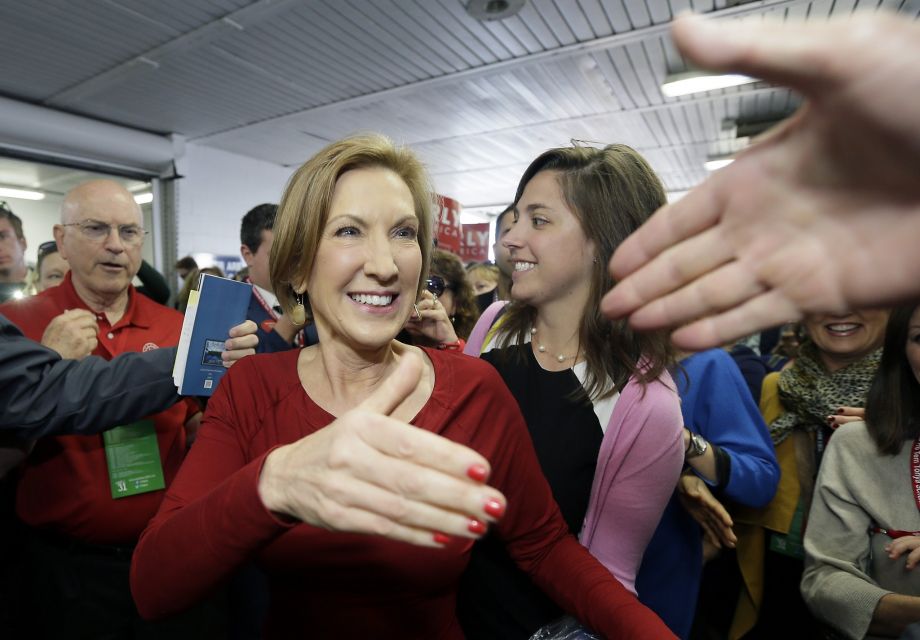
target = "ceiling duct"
x: 751, y: 128
x: 487, y: 10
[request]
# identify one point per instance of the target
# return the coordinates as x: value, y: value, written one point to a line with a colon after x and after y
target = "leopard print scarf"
x: 809, y: 393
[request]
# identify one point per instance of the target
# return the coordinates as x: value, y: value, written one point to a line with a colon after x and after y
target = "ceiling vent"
x: 493, y: 9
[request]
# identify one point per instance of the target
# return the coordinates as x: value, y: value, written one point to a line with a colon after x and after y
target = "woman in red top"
x: 301, y: 454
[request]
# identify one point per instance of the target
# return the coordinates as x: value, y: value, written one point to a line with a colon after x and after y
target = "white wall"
x: 38, y: 220
x: 217, y: 189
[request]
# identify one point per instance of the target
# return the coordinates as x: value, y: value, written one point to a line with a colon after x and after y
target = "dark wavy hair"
x: 611, y: 191
x: 893, y: 403
x: 466, y: 312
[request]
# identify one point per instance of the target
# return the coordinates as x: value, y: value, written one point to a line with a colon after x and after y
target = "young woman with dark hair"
x: 599, y: 404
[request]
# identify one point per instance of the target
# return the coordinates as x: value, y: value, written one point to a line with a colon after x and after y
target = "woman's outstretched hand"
x: 370, y: 473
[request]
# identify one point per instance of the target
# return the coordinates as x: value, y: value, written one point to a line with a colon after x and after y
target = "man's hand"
x: 243, y: 342
x: 821, y: 215
x: 72, y: 334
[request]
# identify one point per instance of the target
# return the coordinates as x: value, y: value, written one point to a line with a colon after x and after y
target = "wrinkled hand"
x: 369, y: 473
x: 243, y: 342
x: 906, y: 544
x: 73, y: 334
x: 808, y: 219
x: 844, y: 415
x: 434, y: 324
x: 699, y: 502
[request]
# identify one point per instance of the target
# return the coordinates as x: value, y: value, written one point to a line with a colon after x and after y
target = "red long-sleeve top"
x: 327, y: 584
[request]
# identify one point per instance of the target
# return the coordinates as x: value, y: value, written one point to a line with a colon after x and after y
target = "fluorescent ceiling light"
x: 22, y: 194
x: 682, y: 84
x: 717, y: 163
x: 143, y: 198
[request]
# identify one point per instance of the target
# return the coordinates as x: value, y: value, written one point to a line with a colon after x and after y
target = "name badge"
x: 133, y: 457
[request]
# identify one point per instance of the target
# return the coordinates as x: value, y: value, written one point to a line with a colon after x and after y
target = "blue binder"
x: 218, y: 305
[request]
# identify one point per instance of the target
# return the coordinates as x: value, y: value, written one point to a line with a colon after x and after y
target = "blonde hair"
x: 304, y: 207
x: 483, y: 270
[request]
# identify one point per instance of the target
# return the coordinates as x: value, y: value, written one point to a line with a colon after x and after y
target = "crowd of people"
x: 407, y: 446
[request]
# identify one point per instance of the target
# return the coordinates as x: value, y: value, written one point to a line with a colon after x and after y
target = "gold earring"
x: 299, y: 313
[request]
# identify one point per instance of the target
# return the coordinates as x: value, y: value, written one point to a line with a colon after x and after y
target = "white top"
x: 270, y: 298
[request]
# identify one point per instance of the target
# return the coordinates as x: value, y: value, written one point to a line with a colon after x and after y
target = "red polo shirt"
x: 64, y: 485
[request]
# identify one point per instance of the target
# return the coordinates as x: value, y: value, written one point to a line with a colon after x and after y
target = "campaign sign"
x: 475, y: 242
x: 447, y: 225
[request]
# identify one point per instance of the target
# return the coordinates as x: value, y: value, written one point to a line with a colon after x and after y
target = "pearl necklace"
x: 559, y: 358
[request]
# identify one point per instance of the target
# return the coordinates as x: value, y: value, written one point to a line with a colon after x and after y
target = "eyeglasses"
x: 96, y: 231
x: 436, y: 285
x: 47, y: 247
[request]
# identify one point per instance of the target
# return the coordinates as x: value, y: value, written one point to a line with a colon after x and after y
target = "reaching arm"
x: 759, y: 242
x: 43, y: 394
x: 724, y: 413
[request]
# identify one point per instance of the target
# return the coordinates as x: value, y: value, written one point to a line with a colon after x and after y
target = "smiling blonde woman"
x: 302, y: 454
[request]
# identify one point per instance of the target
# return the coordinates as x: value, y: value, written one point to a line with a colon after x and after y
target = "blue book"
x: 218, y: 305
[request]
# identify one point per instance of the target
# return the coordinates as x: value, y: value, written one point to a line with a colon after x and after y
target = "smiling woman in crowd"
x: 600, y: 407
x: 303, y: 453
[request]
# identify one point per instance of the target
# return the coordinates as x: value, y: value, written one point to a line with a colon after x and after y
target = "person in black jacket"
x: 44, y: 394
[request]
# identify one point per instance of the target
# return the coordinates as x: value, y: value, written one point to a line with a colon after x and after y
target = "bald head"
x: 102, y: 197
x: 101, y: 235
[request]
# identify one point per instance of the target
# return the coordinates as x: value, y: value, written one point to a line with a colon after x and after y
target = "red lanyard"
x: 265, y: 305
x: 915, y: 481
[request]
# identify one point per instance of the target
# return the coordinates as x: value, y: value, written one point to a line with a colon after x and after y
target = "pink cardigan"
x: 639, y: 462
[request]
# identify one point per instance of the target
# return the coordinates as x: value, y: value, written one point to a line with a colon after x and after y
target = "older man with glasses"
x: 86, y: 498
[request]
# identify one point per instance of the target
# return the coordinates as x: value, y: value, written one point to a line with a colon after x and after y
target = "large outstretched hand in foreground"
x: 821, y: 215
x: 370, y: 473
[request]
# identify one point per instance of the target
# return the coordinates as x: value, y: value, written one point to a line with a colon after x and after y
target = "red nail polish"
x: 440, y: 538
x: 477, y: 472
x: 494, y: 508
x: 477, y: 527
